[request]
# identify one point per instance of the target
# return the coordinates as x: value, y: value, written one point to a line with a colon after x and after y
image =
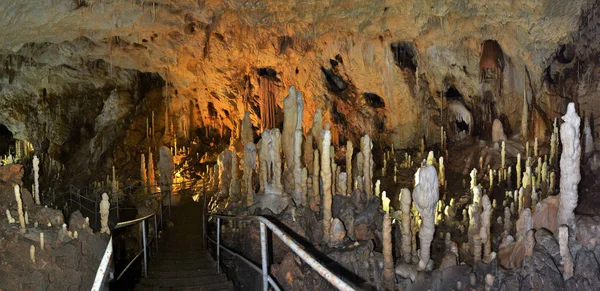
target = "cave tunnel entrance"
x: 460, y: 116
x: 7, y: 141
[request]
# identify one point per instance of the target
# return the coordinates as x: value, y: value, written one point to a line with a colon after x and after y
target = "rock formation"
x: 569, y: 166
x: 425, y: 196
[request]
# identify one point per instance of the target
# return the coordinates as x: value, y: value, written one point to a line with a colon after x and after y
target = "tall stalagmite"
x: 569, y: 166
x: 326, y: 180
x: 365, y: 149
x: 349, y: 153
x: 426, y: 195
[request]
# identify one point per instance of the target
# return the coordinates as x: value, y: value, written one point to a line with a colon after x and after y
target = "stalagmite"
x: 569, y: 166
x: 246, y: 134
x: 114, y: 186
x: 565, y: 253
x: 442, y: 172
x: 290, y: 109
x: 41, y: 241
x: 9, y: 217
x: 166, y: 168
x: 491, y: 175
x: 405, y: 203
x: 234, y: 187
x: 151, y: 180
x: 36, y: 179
x: 349, y: 153
x: 473, y: 178
x: 143, y: 171
x: 430, y: 158
x: 20, y: 208
x: 385, y: 202
x: 507, y: 220
x: 377, y: 187
x: 388, y: 260
x: 476, y: 247
x: 518, y: 168
x: 524, y: 117
x: 315, y: 198
x: 588, y: 138
x: 104, y: 210
x: 489, y: 282
x: 535, y: 148
x: 32, y: 253
x: 333, y: 167
x: 299, y: 195
x: 503, y: 154
x: 317, y: 127
x: 326, y: 180
x: 484, y: 233
x: 249, y: 161
x: 529, y: 242
x: 270, y: 162
x: 426, y: 196
x: 365, y: 149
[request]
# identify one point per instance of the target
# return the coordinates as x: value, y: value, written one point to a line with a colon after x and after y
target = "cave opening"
x: 405, y: 55
x: 7, y: 141
x: 374, y: 100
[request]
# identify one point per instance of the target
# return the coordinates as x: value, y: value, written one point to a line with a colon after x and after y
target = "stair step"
x: 225, y: 286
x: 182, y: 274
x: 183, y: 259
x: 184, y: 282
x: 182, y: 267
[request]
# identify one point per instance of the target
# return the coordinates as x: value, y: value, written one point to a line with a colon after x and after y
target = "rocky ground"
x: 68, y: 261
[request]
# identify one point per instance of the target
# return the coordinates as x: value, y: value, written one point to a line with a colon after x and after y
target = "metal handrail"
x: 145, y: 242
x: 287, y: 240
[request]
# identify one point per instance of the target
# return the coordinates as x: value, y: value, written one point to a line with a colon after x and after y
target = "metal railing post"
x: 156, y: 232
x: 218, y: 245
x: 263, y: 246
x: 145, y: 252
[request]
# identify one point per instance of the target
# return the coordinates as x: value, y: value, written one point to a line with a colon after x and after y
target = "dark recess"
x: 374, y: 100
x: 405, y: 55
x: 268, y: 73
x: 335, y: 83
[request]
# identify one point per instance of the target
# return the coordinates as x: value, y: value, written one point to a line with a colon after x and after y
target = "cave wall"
x: 89, y: 55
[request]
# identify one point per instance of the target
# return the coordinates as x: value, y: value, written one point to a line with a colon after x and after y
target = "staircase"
x: 181, y: 263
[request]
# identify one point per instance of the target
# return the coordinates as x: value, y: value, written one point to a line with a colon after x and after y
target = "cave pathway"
x: 182, y: 263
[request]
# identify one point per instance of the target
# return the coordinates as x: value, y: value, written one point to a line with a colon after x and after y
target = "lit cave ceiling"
x: 76, y: 75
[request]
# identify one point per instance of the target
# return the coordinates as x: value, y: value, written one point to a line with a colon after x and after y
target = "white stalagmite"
x: 20, y: 208
x: 377, y: 187
x: 326, y: 179
x: 588, y: 138
x: 569, y: 166
x: 32, y: 253
x: 518, y: 168
x: 405, y: 202
x: 553, y: 141
x: 104, y: 210
x: 41, y: 241
x: 484, y: 232
x: 36, y: 179
x: 9, y: 217
x: 473, y: 178
x: 315, y: 198
x: 426, y: 195
x: 503, y: 153
x: 26, y: 218
x: 565, y: 253
x: 491, y: 175
x: 349, y: 152
x: 365, y: 149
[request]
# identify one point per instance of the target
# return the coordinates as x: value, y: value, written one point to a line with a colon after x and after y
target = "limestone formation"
x: 249, y: 161
x: 36, y: 179
x: 518, y: 168
x: 41, y: 241
x: 405, y: 204
x: 498, y: 131
x: 224, y: 163
x: 326, y: 180
x: 315, y: 197
x: 388, y: 260
x: 234, y: 187
x: 485, y: 233
x: 290, y: 111
x: 569, y: 166
x: 270, y: 162
x: 565, y: 253
x: 299, y: 196
x: 365, y: 149
x: 317, y: 127
x: 20, y: 208
x: 104, y: 210
x: 32, y: 253
x: 588, y: 138
x: 9, y: 217
x: 143, y: 171
x: 426, y: 196
x: 246, y: 134
x: 166, y: 168
x: 151, y: 180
